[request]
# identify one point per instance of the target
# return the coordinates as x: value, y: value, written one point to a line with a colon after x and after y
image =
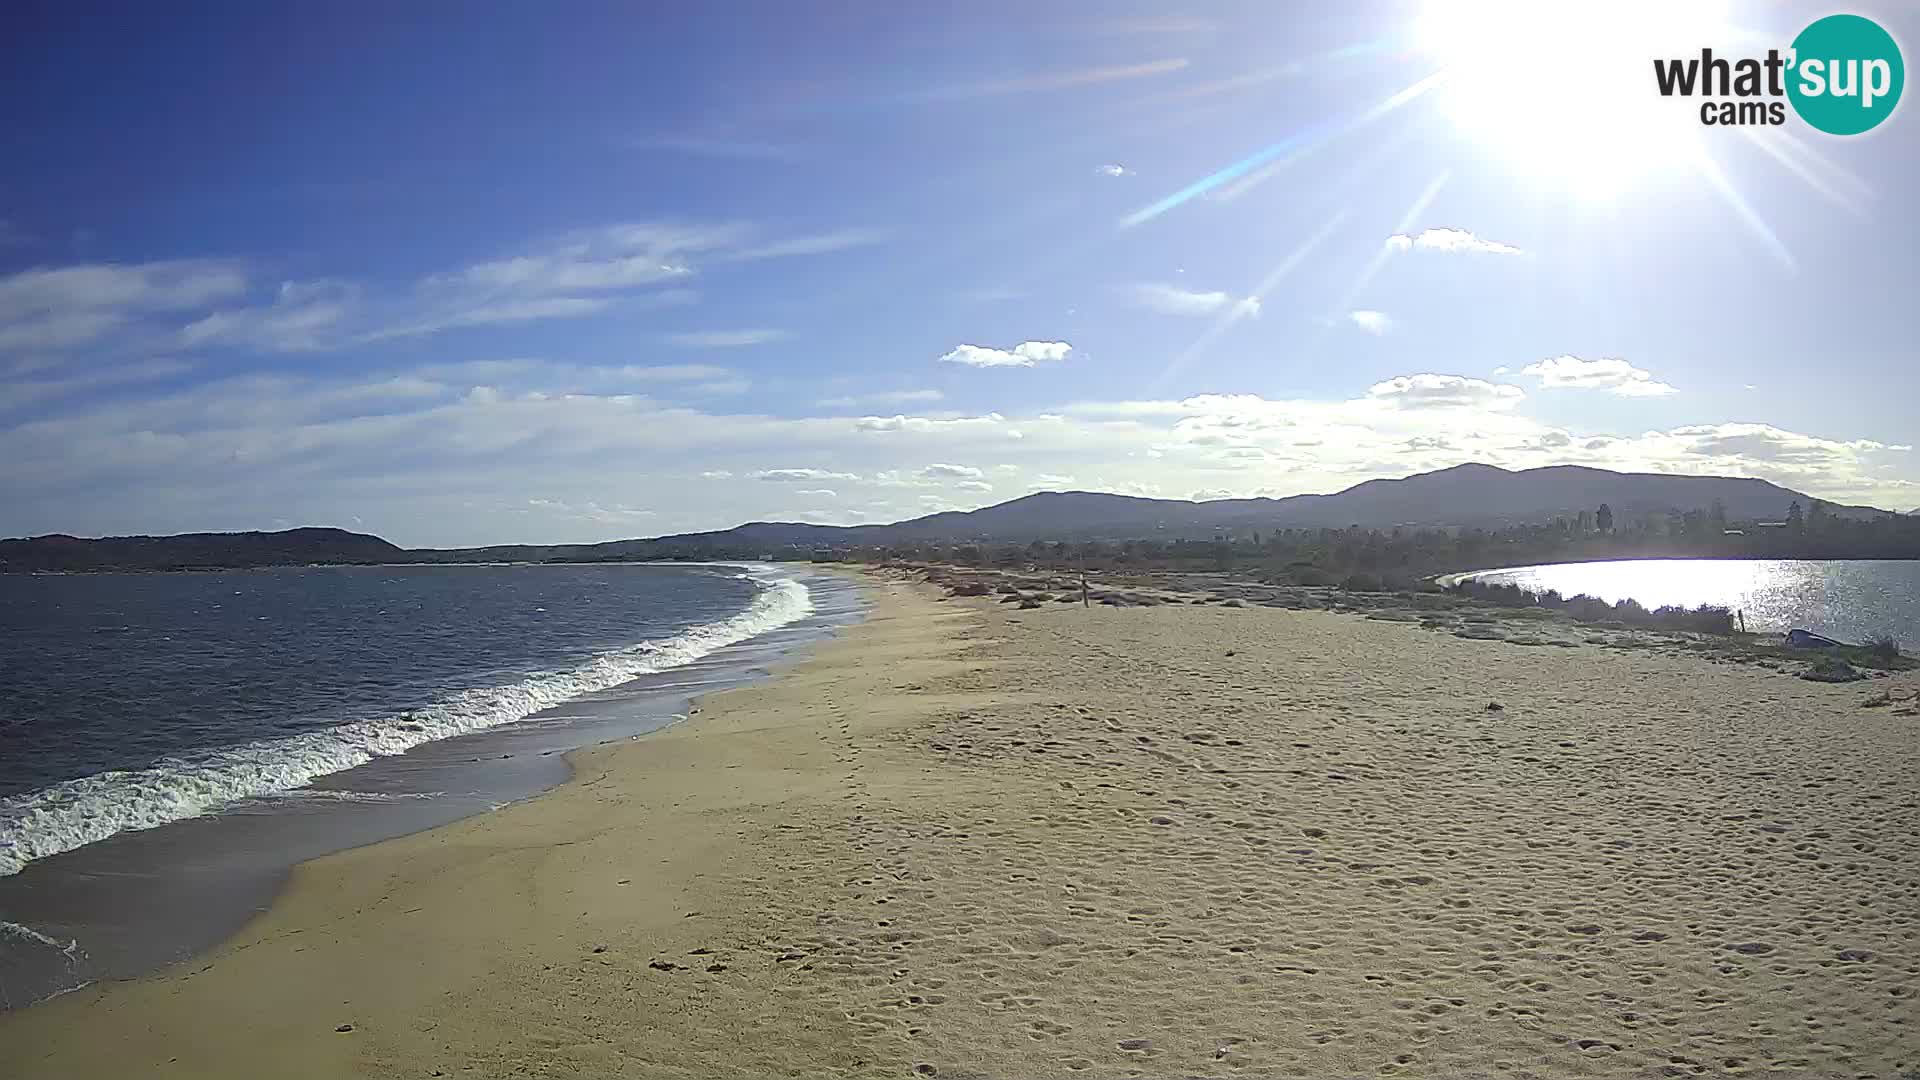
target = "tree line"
x: 1398, y: 556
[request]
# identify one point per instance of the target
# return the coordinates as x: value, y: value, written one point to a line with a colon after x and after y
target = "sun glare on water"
x: 1564, y: 92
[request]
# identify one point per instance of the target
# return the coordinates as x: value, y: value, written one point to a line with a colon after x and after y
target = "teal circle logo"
x: 1847, y: 74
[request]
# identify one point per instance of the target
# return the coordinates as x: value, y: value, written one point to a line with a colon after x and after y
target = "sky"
x: 578, y: 272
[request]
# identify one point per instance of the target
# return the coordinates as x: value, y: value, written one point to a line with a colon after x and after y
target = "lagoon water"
x: 1847, y: 599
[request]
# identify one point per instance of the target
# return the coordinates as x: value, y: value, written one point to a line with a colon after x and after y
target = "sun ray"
x: 1710, y: 170
x: 1284, y: 152
x: 1261, y: 291
x: 1406, y: 223
x: 1839, y: 186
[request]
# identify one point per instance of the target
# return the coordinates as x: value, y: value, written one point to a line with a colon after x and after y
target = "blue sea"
x: 170, y: 744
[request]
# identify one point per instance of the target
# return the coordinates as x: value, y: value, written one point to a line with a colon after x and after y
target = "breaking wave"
x: 87, y: 809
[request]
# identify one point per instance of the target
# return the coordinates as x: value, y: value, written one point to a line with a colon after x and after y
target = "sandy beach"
x: 969, y: 840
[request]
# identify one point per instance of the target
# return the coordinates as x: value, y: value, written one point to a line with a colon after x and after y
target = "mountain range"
x: 1465, y: 495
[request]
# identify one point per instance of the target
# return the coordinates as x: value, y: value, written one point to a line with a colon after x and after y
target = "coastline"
x: 142, y: 899
x: 1084, y: 842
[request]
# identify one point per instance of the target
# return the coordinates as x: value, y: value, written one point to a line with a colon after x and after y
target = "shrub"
x: 1883, y: 647
x: 1831, y: 669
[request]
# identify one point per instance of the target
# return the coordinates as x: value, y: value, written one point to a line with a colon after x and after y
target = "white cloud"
x: 155, y: 286
x: 666, y: 372
x: 799, y: 476
x: 823, y: 493
x: 18, y: 395
x: 897, y: 422
x: 881, y: 397
x: 1173, y: 300
x: 1114, y: 170
x: 974, y: 485
x: 1606, y: 373
x: 1373, y: 322
x: 1025, y: 354
x: 1444, y: 391
x: 1450, y: 241
x: 303, y: 315
x: 74, y: 305
x: 58, y: 330
x: 939, y: 471
x: 725, y: 339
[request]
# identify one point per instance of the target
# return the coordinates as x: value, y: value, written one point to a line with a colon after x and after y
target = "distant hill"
x: 1465, y: 495
x: 293, y: 547
x: 1471, y: 495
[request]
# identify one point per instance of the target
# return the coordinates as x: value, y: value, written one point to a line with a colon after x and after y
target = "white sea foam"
x: 312, y: 794
x: 28, y: 933
x: 91, y: 808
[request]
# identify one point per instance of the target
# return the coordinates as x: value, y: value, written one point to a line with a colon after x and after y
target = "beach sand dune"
x: 968, y: 840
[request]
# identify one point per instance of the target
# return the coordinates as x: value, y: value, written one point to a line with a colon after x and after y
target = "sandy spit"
x: 964, y: 840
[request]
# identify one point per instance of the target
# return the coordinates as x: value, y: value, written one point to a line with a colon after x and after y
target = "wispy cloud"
x: 703, y: 146
x: 16, y: 395
x: 1114, y: 170
x: 1376, y: 323
x: 1056, y: 80
x: 939, y: 471
x: 1173, y: 300
x: 73, y: 305
x: 1155, y: 25
x: 628, y: 266
x: 724, y: 339
x: 302, y: 315
x: 880, y: 397
x: 1025, y: 354
x: 1449, y: 241
x: 814, y: 244
x: 1611, y: 374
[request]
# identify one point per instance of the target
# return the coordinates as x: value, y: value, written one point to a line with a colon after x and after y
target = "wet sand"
x: 970, y: 840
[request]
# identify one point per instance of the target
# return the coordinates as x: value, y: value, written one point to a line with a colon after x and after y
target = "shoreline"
x: 68, y: 919
x: 964, y: 838
x: 161, y: 1013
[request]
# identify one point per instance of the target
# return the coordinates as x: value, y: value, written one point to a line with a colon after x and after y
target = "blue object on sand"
x: 1806, y: 639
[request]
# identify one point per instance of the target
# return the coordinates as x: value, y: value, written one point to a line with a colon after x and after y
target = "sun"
x: 1563, y: 92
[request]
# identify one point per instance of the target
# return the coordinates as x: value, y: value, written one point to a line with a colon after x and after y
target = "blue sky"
x: 587, y: 271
